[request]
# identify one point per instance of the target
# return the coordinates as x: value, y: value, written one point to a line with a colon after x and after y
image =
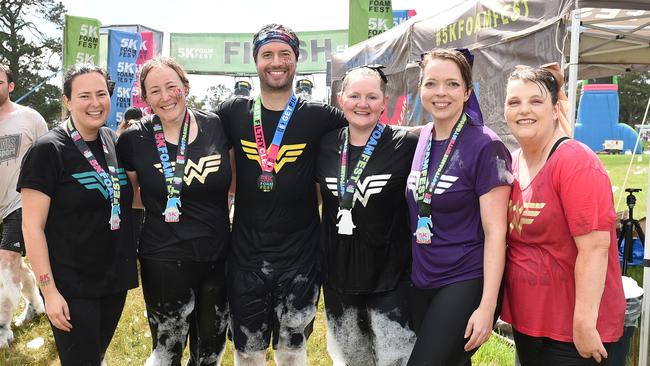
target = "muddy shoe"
x: 6, y: 336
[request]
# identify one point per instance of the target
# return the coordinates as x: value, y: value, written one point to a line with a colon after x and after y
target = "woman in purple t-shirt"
x: 457, y: 194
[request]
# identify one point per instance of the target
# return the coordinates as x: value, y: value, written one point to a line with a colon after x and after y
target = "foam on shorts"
x: 294, y: 321
x: 346, y: 343
x: 254, y: 340
x: 266, y: 268
x: 392, y: 341
x: 171, y: 334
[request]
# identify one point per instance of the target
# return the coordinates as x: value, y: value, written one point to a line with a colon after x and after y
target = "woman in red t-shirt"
x: 563, y: 290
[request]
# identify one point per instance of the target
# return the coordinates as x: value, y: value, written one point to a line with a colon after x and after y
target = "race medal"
x: 114, y: 221
x: 266, y: 182
x: 423, y: 232
x: 346, y: 225
x: 171, y: 213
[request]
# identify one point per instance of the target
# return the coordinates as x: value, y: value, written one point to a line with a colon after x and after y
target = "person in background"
x: 563, y: 288
x: 365, y: 242
x: 19, y: 128
x: 77, y: 221
x: 458, y: 197
x: 130, y: 116
x: 178, y: 161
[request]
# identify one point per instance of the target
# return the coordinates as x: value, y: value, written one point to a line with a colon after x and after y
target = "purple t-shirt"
x: 480, y: 162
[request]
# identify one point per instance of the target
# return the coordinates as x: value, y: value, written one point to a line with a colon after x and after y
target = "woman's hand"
x: 57, y: 311
x: 588, y: 342
x: 479, y: 327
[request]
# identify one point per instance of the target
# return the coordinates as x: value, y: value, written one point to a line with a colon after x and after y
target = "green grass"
x: 132, y: 342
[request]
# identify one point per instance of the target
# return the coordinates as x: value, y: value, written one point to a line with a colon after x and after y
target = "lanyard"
x: 173, y: 174
x: 112, y: 181
x: 267, y: 156
x: 348, y: 186
x: 425, y: 193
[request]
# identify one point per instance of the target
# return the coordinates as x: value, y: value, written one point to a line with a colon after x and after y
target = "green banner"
x: 232, y: 53
x: 369, y: 18
x: 80, y: 41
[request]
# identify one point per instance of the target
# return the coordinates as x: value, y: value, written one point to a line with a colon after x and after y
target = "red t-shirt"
x: 570, y: 196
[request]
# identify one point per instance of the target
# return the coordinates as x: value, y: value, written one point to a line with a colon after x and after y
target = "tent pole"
x: 573, y: 67
x: 645, y: 310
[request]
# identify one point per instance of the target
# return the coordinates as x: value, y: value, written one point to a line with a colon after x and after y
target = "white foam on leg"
x: 392, y: 342
x: 346, y: 343
x: 171, y: 333
x: 291, y: 356
x: 293, y: 320
x: 29, y: 288
x: 254, y: 340
x: 9, y: 298
x: 254, y: 358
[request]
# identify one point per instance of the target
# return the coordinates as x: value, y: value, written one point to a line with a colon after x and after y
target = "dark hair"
x: 159, y: 62
x: 374, y: 71
x: 454, y: 56
x: 10, y: 76
x: 81, y: 69
x: 132, y: 113
x: 542, y: 77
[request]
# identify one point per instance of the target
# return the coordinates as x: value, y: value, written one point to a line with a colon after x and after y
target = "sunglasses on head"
x: 374, y: 67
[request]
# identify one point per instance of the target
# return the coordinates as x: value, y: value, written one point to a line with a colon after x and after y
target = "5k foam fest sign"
x: 81, y: 41
x: 123, y: 50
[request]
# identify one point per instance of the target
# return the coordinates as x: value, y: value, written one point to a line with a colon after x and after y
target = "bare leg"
x: 9, y: 293
x: 33, y: 301
x: 254, y: 358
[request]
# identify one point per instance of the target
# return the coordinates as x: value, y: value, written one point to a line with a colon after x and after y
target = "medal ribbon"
x: 267, y: 156
x: 425, y: 193
x: 348, y: 186
x: 173, y: 174
x: 112, y: 181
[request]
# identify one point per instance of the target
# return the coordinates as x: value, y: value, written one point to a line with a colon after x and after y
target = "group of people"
x: 423, y: 242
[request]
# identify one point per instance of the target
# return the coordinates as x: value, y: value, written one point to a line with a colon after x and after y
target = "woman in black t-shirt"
x: 365, y: 247
x: 179, y: 159
x: 77, y: 221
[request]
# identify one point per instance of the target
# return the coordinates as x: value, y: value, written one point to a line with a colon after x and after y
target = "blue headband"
x: 275, y: 33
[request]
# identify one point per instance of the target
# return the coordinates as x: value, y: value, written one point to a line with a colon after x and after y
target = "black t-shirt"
x: 277, y: 230
x: 203, y: 233
x: 378, y: 254
x: 87, y: 258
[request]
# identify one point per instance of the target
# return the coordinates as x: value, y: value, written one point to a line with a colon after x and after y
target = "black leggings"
x: 93, y: 323
x: 541, y: 351
x: 439, y: 319
x: 185, y: 298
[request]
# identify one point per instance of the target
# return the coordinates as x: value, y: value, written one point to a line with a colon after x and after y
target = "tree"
x: 634, y: 91
x: 31, y: 53
x: 216, y: 95
x: 193, y: 102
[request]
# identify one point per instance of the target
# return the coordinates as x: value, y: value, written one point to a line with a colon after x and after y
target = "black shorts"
x: 278, y: 304
x: 12, y: 233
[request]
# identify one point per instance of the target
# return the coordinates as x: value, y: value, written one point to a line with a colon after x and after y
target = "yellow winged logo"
x: 287, y: 153
x: 523, y: 214
x: 199, y: 170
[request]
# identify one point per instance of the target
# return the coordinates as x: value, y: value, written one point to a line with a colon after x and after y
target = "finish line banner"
x: 232, y: 53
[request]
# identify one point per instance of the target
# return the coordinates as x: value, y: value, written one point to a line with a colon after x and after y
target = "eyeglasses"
x: 374, y: 67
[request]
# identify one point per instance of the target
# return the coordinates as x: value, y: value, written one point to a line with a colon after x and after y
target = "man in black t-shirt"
x: 273, y: 282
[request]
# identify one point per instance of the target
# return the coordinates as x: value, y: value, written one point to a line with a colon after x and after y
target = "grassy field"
x: 131, y: 345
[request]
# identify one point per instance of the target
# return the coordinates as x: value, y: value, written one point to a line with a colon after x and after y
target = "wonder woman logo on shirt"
x: 366, y: 187
x: 287, y: 153
x: 92, y: 180
x: 522, y: 214
x: 198, y: 171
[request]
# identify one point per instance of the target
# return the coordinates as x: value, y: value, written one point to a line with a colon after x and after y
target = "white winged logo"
x: 366, y: 187
x: 444, y: 183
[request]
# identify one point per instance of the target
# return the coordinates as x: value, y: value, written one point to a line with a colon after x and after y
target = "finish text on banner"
x: 123, y: 49
x: 232, y: 53
x: 81, y: 41
x: 369, y: 18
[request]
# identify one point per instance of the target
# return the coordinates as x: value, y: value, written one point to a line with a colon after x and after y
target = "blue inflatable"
x: 598, y: 119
